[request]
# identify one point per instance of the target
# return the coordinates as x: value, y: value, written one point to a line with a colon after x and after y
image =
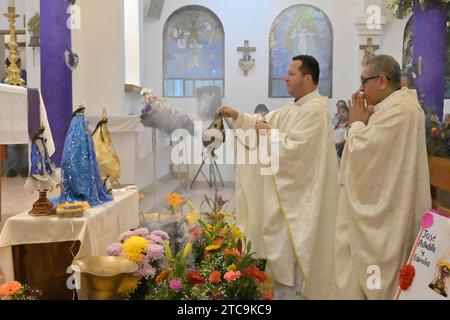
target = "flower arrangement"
x: 14, y: 290
x: 438, y: 135
x: 156, y: 113
x: 216, y: 263
x: 402, y: 8
x: 146, y: 249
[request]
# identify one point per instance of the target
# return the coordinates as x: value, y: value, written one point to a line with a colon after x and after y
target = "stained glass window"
x: 300, y: 29
x: 193, y: 52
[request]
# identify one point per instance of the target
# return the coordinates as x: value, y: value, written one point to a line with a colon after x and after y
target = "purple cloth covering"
x: 429, y: 43
x: 56, y: 78
x: 34, y: 115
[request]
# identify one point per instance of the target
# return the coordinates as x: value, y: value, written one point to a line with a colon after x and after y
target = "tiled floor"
x: 16, y: 200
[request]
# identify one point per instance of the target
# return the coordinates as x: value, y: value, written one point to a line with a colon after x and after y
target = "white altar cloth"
x: 14, y: 117
x: 98, y: 228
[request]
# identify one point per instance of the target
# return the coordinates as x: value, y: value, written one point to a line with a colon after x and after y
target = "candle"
x: 11, y: 3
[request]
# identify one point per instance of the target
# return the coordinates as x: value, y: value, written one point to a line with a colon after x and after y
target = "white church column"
x: 100, y: 78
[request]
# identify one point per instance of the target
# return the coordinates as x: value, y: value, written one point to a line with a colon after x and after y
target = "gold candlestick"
x: 13, y: 71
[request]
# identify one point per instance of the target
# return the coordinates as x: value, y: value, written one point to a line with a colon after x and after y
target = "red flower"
x: 407, y: 274
x: 254, y: 272
x: 215, y: 277
x: 218, y: 241
x: 194, y: 276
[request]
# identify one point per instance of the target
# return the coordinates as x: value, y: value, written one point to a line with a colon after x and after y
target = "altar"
x: 39, y: 250
x: 14, y: 120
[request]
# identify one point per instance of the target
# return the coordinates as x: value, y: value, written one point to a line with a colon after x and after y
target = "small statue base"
x: 42, y: 207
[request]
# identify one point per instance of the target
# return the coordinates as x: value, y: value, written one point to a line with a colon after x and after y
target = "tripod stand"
x: 214, y: 172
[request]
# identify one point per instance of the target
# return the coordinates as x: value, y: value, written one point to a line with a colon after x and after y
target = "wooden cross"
x: 246, y: 50
x: 369, y: 49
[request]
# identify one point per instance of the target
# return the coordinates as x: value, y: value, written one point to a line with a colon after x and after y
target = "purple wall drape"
x: 56, y: 78
x: 429, y: 43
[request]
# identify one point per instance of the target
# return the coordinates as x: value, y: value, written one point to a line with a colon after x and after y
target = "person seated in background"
x: 340, y: 129
x: 335, y: 118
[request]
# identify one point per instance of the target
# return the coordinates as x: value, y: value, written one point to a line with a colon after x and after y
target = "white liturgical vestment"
x: 385, y: 190
x: 290, y: 215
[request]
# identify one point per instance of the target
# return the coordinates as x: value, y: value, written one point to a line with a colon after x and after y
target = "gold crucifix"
x: 246, y: 62
x: 369, y: 49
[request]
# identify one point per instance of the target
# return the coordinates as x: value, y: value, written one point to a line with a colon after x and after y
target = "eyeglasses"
x: 364, y: 80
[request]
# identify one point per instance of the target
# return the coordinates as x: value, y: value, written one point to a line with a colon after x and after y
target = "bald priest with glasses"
x: 384, y: 184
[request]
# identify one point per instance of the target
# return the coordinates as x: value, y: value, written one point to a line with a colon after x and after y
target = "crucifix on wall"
x: 246, y: 63
x: 369, y: 50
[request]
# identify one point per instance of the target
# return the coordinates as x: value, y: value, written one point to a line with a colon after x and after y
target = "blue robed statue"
x: 81, y: 179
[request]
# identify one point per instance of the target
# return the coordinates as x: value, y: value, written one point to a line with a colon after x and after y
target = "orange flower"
x: 9, y: 289
x: 163, y: 276
x: 255, y: 273
x: 232, y: 252
x: 215, y: 277
x: 174, y: 200
x: 194, y: 276
x: 218, y: 241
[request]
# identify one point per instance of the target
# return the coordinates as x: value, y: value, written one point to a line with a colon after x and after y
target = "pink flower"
x: 195, y: 233
x: 162, y: 234
x: 154, y: 238
x: 155, y: 252
x: 231, y: 276
x: 175, y: 285
x: 124, y: 236
x: 145, y: 270
x: 114, y: 249
x: 142, y: 232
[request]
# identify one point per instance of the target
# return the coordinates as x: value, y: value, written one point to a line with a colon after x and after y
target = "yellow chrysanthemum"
x: 192, y: 217
x: 212, y: 247
x: 232, y: 267
x: 134, y: 248
x: 129, y: 284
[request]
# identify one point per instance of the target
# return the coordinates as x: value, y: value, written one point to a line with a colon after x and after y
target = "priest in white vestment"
x: 290, y: 214
x: 384, y: 183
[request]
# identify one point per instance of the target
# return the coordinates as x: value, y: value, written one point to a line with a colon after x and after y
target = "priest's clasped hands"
x: 229, y: 112
x: 358, y: 110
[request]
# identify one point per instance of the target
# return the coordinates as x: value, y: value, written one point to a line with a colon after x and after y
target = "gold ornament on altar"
x: 13, y: 71
x: 74, y: 209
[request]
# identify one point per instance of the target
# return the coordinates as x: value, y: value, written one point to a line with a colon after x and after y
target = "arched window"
x: 193, y: 52
x: 300, y: 29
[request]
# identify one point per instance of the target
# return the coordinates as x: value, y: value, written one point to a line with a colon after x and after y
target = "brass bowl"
x: 102, y: 276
